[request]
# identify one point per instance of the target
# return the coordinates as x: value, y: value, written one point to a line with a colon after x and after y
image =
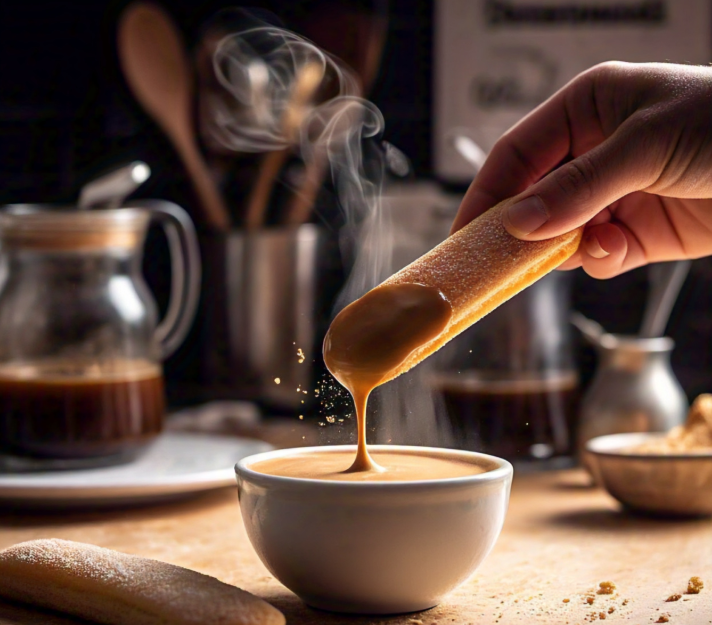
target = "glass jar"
x: 509, y: 382
x: 81, y: 347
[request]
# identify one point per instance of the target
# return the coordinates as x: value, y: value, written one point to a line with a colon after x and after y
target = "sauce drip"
x: 372, y: 336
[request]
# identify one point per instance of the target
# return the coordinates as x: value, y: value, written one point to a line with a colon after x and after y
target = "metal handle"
x: 185, y: 272
x: 666, y: 280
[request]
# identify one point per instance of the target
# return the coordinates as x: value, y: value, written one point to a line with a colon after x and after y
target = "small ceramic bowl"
x: 667, y: 484
x: 373, y: 547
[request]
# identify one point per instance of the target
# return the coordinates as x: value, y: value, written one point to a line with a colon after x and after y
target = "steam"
x: 285, y: 92
x: 281, y: 91
x: 272, y: 76
x: 336, y: 130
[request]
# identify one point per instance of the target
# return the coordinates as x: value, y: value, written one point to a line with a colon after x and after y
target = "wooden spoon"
x: 156, y: 68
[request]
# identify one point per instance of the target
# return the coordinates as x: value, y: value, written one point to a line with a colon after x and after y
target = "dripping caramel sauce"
x: 370, y: 338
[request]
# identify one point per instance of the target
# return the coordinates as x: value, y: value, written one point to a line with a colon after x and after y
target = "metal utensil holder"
x: 274, y: 297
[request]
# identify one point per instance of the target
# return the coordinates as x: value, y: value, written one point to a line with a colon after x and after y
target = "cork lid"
x: 49, y: 228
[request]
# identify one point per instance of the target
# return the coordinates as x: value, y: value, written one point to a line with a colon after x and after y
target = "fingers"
x: 607, y: 250
x: 535, y: 146
x: 577, y: 191
x: 525, y: 153
x: 603, y: 251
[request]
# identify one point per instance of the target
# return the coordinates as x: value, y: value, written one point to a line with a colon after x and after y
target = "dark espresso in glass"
x: 65, y: 410
x: 517, y: 416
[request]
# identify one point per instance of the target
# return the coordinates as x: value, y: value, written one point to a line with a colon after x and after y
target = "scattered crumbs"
x: 567, y: 600
x: 606, y: 588
x: 300, y: 355
x: 694, y: 586
x: 277, y: 381
x: 322, y: 424
x: 602, y: 616
x: 305, y: 392
x: 611, y: 610
x: 675, y: 597
x: 301, y: 416
x: 663, y: 618
x: 331, y: 419
x: 625, y: 601
x: 590, y: 600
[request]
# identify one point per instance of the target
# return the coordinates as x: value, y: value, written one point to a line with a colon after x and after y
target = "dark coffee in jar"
x: 70, y: 410
x: 516, y: 416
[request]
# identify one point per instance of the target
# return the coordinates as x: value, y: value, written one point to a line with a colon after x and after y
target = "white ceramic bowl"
x: 669, y: 484
x: 373, y: 547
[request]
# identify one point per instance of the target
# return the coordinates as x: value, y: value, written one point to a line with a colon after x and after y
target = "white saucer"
x: 176, y: 465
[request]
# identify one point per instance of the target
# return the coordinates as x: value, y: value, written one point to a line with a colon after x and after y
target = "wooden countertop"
x: 560, y: 540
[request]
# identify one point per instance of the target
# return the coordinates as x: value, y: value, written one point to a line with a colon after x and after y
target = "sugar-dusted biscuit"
x: 477, y: 269
x: 115, y: 588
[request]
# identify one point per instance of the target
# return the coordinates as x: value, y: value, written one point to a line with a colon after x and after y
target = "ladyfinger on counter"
x: 477, y: 269
x: 113, y: 588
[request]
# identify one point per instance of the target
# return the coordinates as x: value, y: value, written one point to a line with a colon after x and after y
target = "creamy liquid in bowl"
x: 370, y: 338
x: 395, y: 466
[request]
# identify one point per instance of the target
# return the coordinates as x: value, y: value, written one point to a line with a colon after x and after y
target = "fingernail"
x: 594, y: 247
x: 526, y: 216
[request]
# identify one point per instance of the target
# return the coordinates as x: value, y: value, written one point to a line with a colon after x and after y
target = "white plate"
x: 175, y: 465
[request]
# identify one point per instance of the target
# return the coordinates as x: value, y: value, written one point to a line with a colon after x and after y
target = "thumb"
x: 575, y: 192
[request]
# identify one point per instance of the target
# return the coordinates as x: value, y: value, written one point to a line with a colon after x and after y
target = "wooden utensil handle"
x: 215, y: 212
x: 272, y: 163
x: 302, y: 203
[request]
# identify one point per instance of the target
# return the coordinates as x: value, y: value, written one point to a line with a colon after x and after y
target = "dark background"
x: 66, y: 114
x: 65, y: 111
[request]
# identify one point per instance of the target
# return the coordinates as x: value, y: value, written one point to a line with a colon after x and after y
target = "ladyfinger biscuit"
x: 113, y: 588
x: 477, y: 269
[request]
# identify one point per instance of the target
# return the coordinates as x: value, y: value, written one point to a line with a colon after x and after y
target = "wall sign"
x: 495, y: 60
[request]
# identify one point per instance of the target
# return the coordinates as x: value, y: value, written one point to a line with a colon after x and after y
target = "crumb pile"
x: 695, y: 436
x: 605, y: 603
x: 602, y: 611
x: 694, y: 586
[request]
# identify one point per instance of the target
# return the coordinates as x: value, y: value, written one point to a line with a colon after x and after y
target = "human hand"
x: 625, y: 149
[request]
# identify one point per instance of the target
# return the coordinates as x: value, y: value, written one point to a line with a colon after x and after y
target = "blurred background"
x: 449, y: 77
